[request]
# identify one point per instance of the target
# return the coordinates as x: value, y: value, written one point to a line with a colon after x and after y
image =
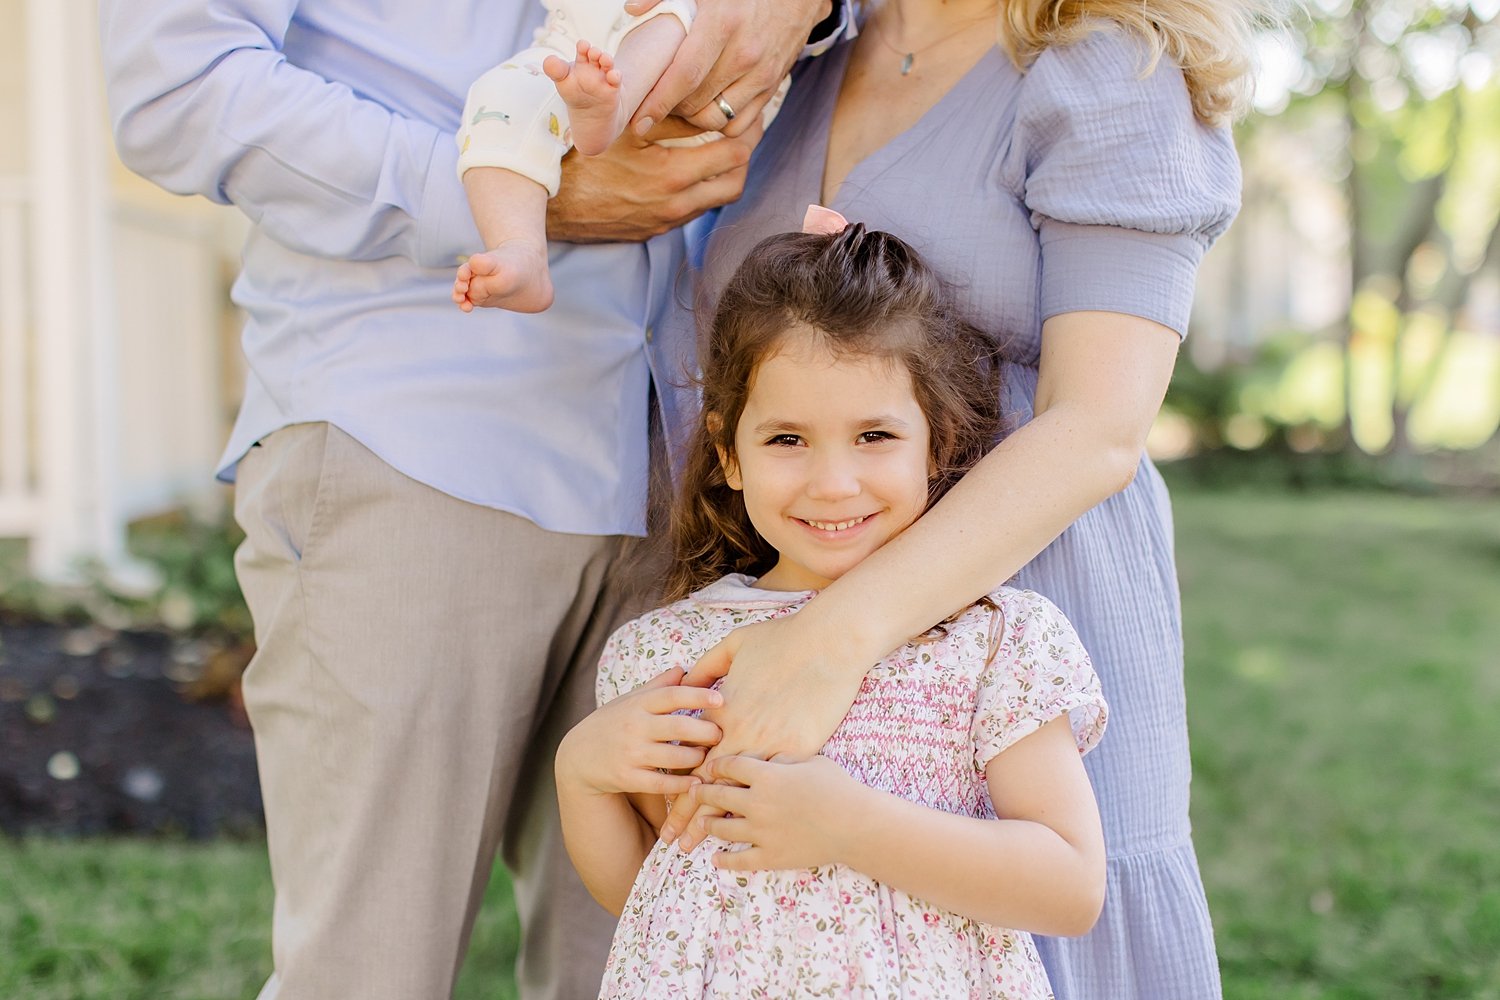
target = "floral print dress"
x: 926, y: 721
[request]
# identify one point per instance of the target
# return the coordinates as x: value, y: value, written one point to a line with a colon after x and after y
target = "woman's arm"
x: 1101, y: 380
x: 1039, y: 867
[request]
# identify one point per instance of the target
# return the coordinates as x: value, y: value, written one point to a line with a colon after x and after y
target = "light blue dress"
x: 1079, y: 185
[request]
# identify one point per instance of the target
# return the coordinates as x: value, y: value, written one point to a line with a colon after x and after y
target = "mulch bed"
x: 105, y: 732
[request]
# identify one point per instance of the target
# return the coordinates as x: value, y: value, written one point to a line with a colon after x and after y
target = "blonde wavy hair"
x: 1210, y: 40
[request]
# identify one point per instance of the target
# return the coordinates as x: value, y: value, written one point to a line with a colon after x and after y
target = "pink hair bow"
x: 823, y: 220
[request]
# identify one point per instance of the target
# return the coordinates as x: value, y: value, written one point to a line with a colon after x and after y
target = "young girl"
x: 841, y: 396
x: 521, y: 117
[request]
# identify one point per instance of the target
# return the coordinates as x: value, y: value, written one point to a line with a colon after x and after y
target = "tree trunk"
x: 1419, y: 226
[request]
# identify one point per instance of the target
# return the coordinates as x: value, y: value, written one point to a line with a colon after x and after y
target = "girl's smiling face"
x: 832, y: 456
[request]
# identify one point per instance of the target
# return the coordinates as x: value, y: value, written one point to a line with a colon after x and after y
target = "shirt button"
x: 650, y: 333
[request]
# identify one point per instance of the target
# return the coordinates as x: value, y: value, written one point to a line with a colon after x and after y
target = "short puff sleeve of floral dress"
x: 1125, y: 186
x: 636, y: 652
x: 1039, y: 672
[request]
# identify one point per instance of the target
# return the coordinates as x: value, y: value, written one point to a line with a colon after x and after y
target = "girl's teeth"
x: 836, y: 525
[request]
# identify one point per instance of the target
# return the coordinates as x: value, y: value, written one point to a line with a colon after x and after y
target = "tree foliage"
x: 1413, y: 88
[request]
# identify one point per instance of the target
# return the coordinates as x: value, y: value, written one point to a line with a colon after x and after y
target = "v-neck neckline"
x: 830, y: 97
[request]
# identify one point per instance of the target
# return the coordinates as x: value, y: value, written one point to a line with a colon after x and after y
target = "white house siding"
x: 116, y: 384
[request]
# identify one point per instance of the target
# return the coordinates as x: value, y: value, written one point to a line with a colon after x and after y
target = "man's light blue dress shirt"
x: 330, y: 124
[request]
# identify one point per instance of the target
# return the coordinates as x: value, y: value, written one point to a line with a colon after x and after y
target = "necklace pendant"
x: 906, y: 62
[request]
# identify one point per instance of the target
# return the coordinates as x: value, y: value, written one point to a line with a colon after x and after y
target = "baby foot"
x: 591, y: 90
x: 512, y: 276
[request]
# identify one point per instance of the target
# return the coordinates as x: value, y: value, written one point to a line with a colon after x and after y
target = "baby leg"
x: 603, y: 92
x: 511, y: 212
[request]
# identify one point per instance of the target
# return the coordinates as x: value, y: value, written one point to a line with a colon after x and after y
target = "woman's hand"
x: 632, y: 744
x: 737, y: 51
x: 786, y: 689
x: 793, y: 814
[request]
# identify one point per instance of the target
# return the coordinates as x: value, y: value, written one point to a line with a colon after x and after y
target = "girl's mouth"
x: 836, y: 526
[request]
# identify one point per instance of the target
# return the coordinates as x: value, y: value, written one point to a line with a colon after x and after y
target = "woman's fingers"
x: 668, y: 678
x: 714, y: 664
x: 739, y: 46
x: 746, y: 98
x: 784, y: 691
x: 695, y: 58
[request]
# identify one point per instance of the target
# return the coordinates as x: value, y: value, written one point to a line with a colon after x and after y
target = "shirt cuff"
x: 1110, y: 269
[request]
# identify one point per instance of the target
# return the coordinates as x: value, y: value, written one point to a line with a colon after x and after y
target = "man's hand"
x: 793, y: 814
x: 737, y: 50
x: 637, y: 189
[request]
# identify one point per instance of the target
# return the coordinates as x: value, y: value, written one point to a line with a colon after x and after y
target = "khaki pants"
x: 419, y: 658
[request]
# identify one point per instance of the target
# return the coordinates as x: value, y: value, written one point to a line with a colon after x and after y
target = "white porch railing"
x: 111, y: 319
x: 20, y: 501
x: 157, y: 416
x: 170, y: 318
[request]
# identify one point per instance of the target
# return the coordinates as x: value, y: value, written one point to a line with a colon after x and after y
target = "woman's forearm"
x: 788, y: 682
x: 1101, y: 380
x: 1008, y: 508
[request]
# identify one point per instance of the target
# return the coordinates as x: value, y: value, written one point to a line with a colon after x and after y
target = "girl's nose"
x: 834, y: 477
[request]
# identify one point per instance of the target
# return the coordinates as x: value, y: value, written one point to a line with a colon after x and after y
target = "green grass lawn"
x: 143, y: 920
x: 1344, y: 690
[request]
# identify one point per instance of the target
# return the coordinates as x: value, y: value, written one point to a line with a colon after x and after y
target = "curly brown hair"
x: 857, y: 293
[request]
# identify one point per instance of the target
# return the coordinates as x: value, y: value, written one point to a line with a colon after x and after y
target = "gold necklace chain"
x: 909, y: 56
